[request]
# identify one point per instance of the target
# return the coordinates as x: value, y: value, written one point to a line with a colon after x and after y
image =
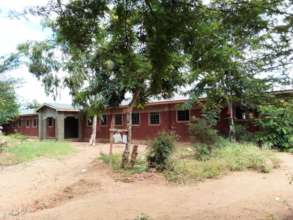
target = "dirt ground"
x: 78, y: 187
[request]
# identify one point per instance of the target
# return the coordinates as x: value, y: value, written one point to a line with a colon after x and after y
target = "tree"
x: 114, y: 59
x: 246, y: 43
x: 276, y: 123
x: 150, y: 48
x: 8, y: 102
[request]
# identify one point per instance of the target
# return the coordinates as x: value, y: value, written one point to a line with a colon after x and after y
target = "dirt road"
x: 75, y: 187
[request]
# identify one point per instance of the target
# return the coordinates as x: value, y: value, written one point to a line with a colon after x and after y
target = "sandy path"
x: 242, y: 195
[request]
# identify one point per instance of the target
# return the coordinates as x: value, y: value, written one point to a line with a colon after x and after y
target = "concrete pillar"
x: 60, y: 126
x: 40, y: 125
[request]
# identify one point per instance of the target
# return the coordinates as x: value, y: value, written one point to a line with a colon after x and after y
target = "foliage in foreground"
x: 232, y: 157
x: 277, y: 125
x: 160, y: 151
x: 19, y: 151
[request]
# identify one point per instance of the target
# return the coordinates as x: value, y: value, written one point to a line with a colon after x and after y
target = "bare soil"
x: 80, y: 187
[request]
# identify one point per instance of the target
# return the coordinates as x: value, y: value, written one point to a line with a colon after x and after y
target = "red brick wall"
x: 145, y: 131
x: 24, y: 129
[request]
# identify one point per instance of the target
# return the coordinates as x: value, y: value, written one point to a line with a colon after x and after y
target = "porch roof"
x: 59, y: 107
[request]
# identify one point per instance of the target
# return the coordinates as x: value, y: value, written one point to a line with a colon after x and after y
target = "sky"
x: 16, y: 31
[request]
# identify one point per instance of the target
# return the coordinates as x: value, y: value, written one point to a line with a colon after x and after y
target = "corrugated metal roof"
x: 27, y: 112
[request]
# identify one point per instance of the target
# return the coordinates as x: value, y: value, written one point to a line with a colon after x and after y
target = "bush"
x: 232, y: 157
x: 276, y: 125
x: 160, y: 150
x: 201, y: 132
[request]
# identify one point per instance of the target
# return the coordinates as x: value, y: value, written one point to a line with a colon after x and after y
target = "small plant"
x: 160, y: 151
x: 142, y: 217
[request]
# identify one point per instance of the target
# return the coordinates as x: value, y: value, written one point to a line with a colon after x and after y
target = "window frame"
x: 33, y: 124
x: 100, y: 120
x: 138, y: 119
x: 150, y: 121
x: 121, y: 119
x: 27, y: 123
x: 183, y: 121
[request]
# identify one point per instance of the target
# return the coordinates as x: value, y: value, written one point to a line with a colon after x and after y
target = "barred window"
x: 154, y: 118
x: 183, y: 115
x: 90, y: 121
x: 118, y: 119
x: 103, y: 120
x: 135, y: 118
x: 28, y: 123
x: 35, y: 122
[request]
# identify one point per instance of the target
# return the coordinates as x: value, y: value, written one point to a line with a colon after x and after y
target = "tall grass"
x: 231, y: 157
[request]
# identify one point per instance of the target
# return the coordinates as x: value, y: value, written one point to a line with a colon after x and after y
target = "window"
x: 103, y: 120
x: 183, y: 115
x: 154, y: 118
x: 35, y: 122
x: 28, y: 123
x: 90, y: 122
x: 19, y: 123
x: 135, y: 118
x: 240, y: 113
x: 50, y: 122
x: 118, y: 119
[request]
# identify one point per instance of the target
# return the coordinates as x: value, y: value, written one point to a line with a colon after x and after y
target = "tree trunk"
x: 231, y: 121
x: 134, y: 154
x: 94, y: 131
x: 125, y: 155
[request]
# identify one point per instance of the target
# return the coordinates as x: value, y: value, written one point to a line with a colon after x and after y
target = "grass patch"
x: 115, y: 162
x: 23, y: 150
x: 231, y: 157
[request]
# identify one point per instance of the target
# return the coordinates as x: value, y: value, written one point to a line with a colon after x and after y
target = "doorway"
x: 71, y: 128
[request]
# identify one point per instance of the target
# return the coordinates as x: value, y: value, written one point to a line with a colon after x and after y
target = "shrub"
x: 276, y: 125
x: 160, y: 150
x: 201, y: 132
